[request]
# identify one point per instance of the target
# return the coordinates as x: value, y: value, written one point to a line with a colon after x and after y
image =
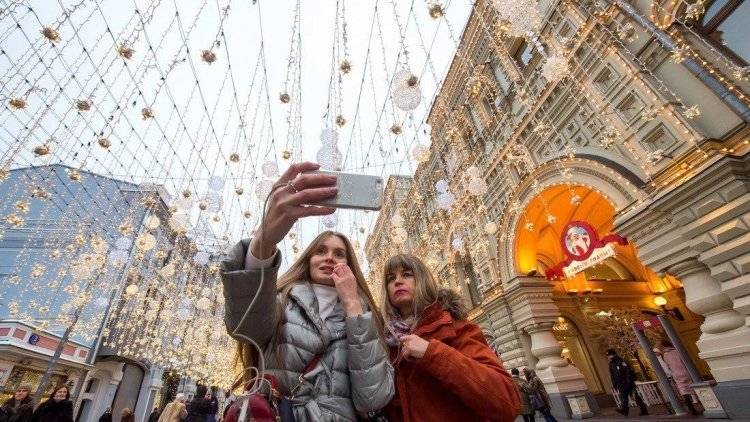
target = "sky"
x: 205, y: 112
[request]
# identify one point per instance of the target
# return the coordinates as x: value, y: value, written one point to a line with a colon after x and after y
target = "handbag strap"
x: 309, y: 367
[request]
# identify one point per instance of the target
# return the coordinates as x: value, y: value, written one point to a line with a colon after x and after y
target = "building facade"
x: 629, y: 117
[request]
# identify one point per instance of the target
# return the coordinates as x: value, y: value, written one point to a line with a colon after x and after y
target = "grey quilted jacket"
x: 354, y: 372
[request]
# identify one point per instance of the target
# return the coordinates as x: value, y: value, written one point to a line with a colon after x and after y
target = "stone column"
x: 725, y: 339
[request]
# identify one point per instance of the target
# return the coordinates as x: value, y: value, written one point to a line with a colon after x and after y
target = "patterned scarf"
x: 397, y: 328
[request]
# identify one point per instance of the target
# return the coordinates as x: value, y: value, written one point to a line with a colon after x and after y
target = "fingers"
x: 296, y: 169
x: 307, y: 181
x: 311, y: 196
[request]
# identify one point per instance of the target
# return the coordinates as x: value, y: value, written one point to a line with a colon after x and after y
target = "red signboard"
x: 579, y: 242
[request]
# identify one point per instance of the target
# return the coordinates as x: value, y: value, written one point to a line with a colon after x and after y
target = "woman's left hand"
x: 413, y: 346
x: 346, y: 287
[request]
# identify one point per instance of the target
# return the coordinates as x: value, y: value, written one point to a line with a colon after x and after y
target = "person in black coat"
x: 199, y: 407
x: 58, y: 408
x: 106, y: 416
x: 18, y: 408
x: 154, y: 416
x: 623, y: 379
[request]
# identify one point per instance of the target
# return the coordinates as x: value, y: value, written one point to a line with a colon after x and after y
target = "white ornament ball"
x: 131, y: 290
x: 203, y: 303
x: 101, y: 302
x: 186, y: 303
x: 441, y: 186
x: 179, y: 222
x: 407, y: 98
x: 490, y: 228
x: 270, y: 169
x: 329, y: 137
x: 118, y: 257
x: 473, y: 172
x: 457, y: 243
x: 397, y: 220
x: 330, y: 221
x: 152, y: 222
x: 555, y: 68
x: 477, y: 187
x: 263, y: 188
x: 124, y: 243
x: 183, y: 313
x: 445, y: 200
x: 145, y: 242
x: 329, y: 157
x: 206, y: 291
x: 216, y: 183
x: 201, y: 258
x: 420, y: 153
x: 214, y: 201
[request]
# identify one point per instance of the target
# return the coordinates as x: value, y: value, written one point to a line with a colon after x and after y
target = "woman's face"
x: 330, y: 251
x: 401, y: 285
x: 21, y: 394
x: 61, y: 394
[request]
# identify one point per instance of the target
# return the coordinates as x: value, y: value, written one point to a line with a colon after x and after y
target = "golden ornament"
x: 203, y: 205
x: 17, y: 103
x: 148, y: 202
x: 186, y: 193
x: 234, y: 157
x: 55, y: 254
x: 286, y: 154
x: 105, y: 143
x: 172, y: 209
x: 125, y: 51
x: 217, y: 218
x: 125, y: 228
x: 13, y: 220
x: 208, y: 56
x: 345, y: 67
x: 247, y: 214
x: 284, y: 98
x: 50, y: 34
x: 39, y: 193
x: 22, y: 207
x: 436, y: 11
x: 340, y: 120
x: 4, y: 174
x: 396, y: 129
x: 238, y: 190
x: 83, y: 105
x: 74, y: 175
x: 412, y: 81
x: 42, y: 150
x: 147, y: 113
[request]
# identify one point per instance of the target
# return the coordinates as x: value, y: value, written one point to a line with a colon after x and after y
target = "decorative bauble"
x: 436, y: 11
x: 239, y: 190
x: 329, y: 157
x: 104, y: 143
x: 125, y: 51
x: 575, y: 200
x: 179, y: 222
x: 203, y: 304
x: 216, y: 218
x: 206, y: 291
x: 247, y: 214
x: 345, y: 67
x: 490, y: 228
x: 101, y: 302
x: 396, y: 129
x: 145, y: 242
x: 184, y: 204
x: 551, y: 219
x: 123, y: 243
x: 183, y: 314
x: 284, y: 98
x: 610, y: 136
x: 521, y: 17
x: 263, y: 188
x: 75, y: 175
x: 42, y: 150
x: 118, y: 257
x: 152, y: 222
x: 445, y: 200
x: 131, y: 290
x: 329, y: 136
x: 397, y: 220
x: 555, y: 68
x: 473, y: 172
x: 286, y: 154
x: 234, y: 157
x: 530, y: 226
x: 420, y: 153
x: 477, y: 186
x: 214, y: 201
x: 330, y: 221
x: 17, y: 103
x: 208, y: 56
x: 340, y: 120
x: 457, y: 243
x: 216, y: 183
x: 270, y: 169
x: 692, y: 112
x: 441, y: 186
x: 407, y: 98
x: 147, y: 113
x: 83, y: 105
x: 50, y: 33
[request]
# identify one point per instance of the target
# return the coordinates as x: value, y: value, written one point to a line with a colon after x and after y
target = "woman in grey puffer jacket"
x: 319, y: 315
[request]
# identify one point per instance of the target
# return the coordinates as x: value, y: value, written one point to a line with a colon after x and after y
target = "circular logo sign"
x: 578, y: 240
x: 33, y: 339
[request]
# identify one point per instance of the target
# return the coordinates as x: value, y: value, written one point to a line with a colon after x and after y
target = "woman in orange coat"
x: 445, y: 371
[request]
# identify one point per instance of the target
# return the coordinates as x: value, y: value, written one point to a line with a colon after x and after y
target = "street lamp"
x: 661, y: 302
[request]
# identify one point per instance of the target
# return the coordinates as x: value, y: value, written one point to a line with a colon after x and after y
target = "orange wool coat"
x: 458, y: 379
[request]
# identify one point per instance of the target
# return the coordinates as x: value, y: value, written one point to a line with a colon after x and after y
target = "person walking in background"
x: 18, y: 408
x: 679, y: 373
x: 175, y: 411
x: 211, y: 396
x: 538, y: 395
x: 154, y: 416
x: 200, y: 406
x: 445, y: 371
x: 523, y: 392
x: 58, y: 408
x: 623, y: 380
x: 127, y: 415
x: 106, y: 416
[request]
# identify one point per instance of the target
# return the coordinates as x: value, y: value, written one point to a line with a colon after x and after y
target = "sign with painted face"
x: 583, y: 249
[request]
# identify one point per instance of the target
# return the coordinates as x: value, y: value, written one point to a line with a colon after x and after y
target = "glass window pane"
x: 733, y: 32
x: 713, y: 10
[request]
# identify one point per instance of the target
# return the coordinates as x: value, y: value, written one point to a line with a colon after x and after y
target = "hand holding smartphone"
x: 355, y: 191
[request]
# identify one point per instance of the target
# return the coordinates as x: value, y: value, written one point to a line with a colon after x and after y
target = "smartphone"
x: 356, y: 191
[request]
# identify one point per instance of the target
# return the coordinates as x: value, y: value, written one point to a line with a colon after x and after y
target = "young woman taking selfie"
x: 445, y: 371
x: 317, y: 324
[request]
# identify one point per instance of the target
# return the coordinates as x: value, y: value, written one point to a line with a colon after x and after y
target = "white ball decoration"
x: 183, y: 313
x: 184, y: 204
x: 206, y: 291
x: 216, y: 183
x: 477, y: 187
x: 457, y: 243
x: 201, y: 258
x: 118, y: 257
x: 270, y: 169
x: 203, y: 304
x: 263, y: 188
x: 167, y: 270
x: 145, y: 242
x: 473, y: 172
x: 124, y: 243
x: 490, y: 228
x: 330, y: 221
x: 441, y: 186
x: 101, y: 302
x: 186, y: 303
x: 407, y: 98
x: 445, y: 200
x: 555, y: 68
x: 214, y: 201
x: 329, y: 157
x: 397, y: 220
x: 179, y: 222
x: 176, y: 342
x: 152, y: 222
x: 420, y: 153
x: 131, y: 290
x: 329, y: 137
x: 522, y: 16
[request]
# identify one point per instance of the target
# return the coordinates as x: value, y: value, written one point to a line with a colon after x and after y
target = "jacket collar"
x: 434, y: 318
x: 302, y: 294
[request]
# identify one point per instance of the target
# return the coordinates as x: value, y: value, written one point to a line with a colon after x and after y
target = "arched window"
x: 726, y: 24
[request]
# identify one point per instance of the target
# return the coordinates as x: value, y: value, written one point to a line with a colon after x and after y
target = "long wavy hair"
x: 425, y: 290
x: 299, y: 273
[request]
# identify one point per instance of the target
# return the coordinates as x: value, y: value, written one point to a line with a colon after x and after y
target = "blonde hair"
x: 299, y: 273
x: 426, y: 291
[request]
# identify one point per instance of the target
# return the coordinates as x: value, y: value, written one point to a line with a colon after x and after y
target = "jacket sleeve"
x: 471, y: 370
x: 370, y: 371
x: 240, y: 286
